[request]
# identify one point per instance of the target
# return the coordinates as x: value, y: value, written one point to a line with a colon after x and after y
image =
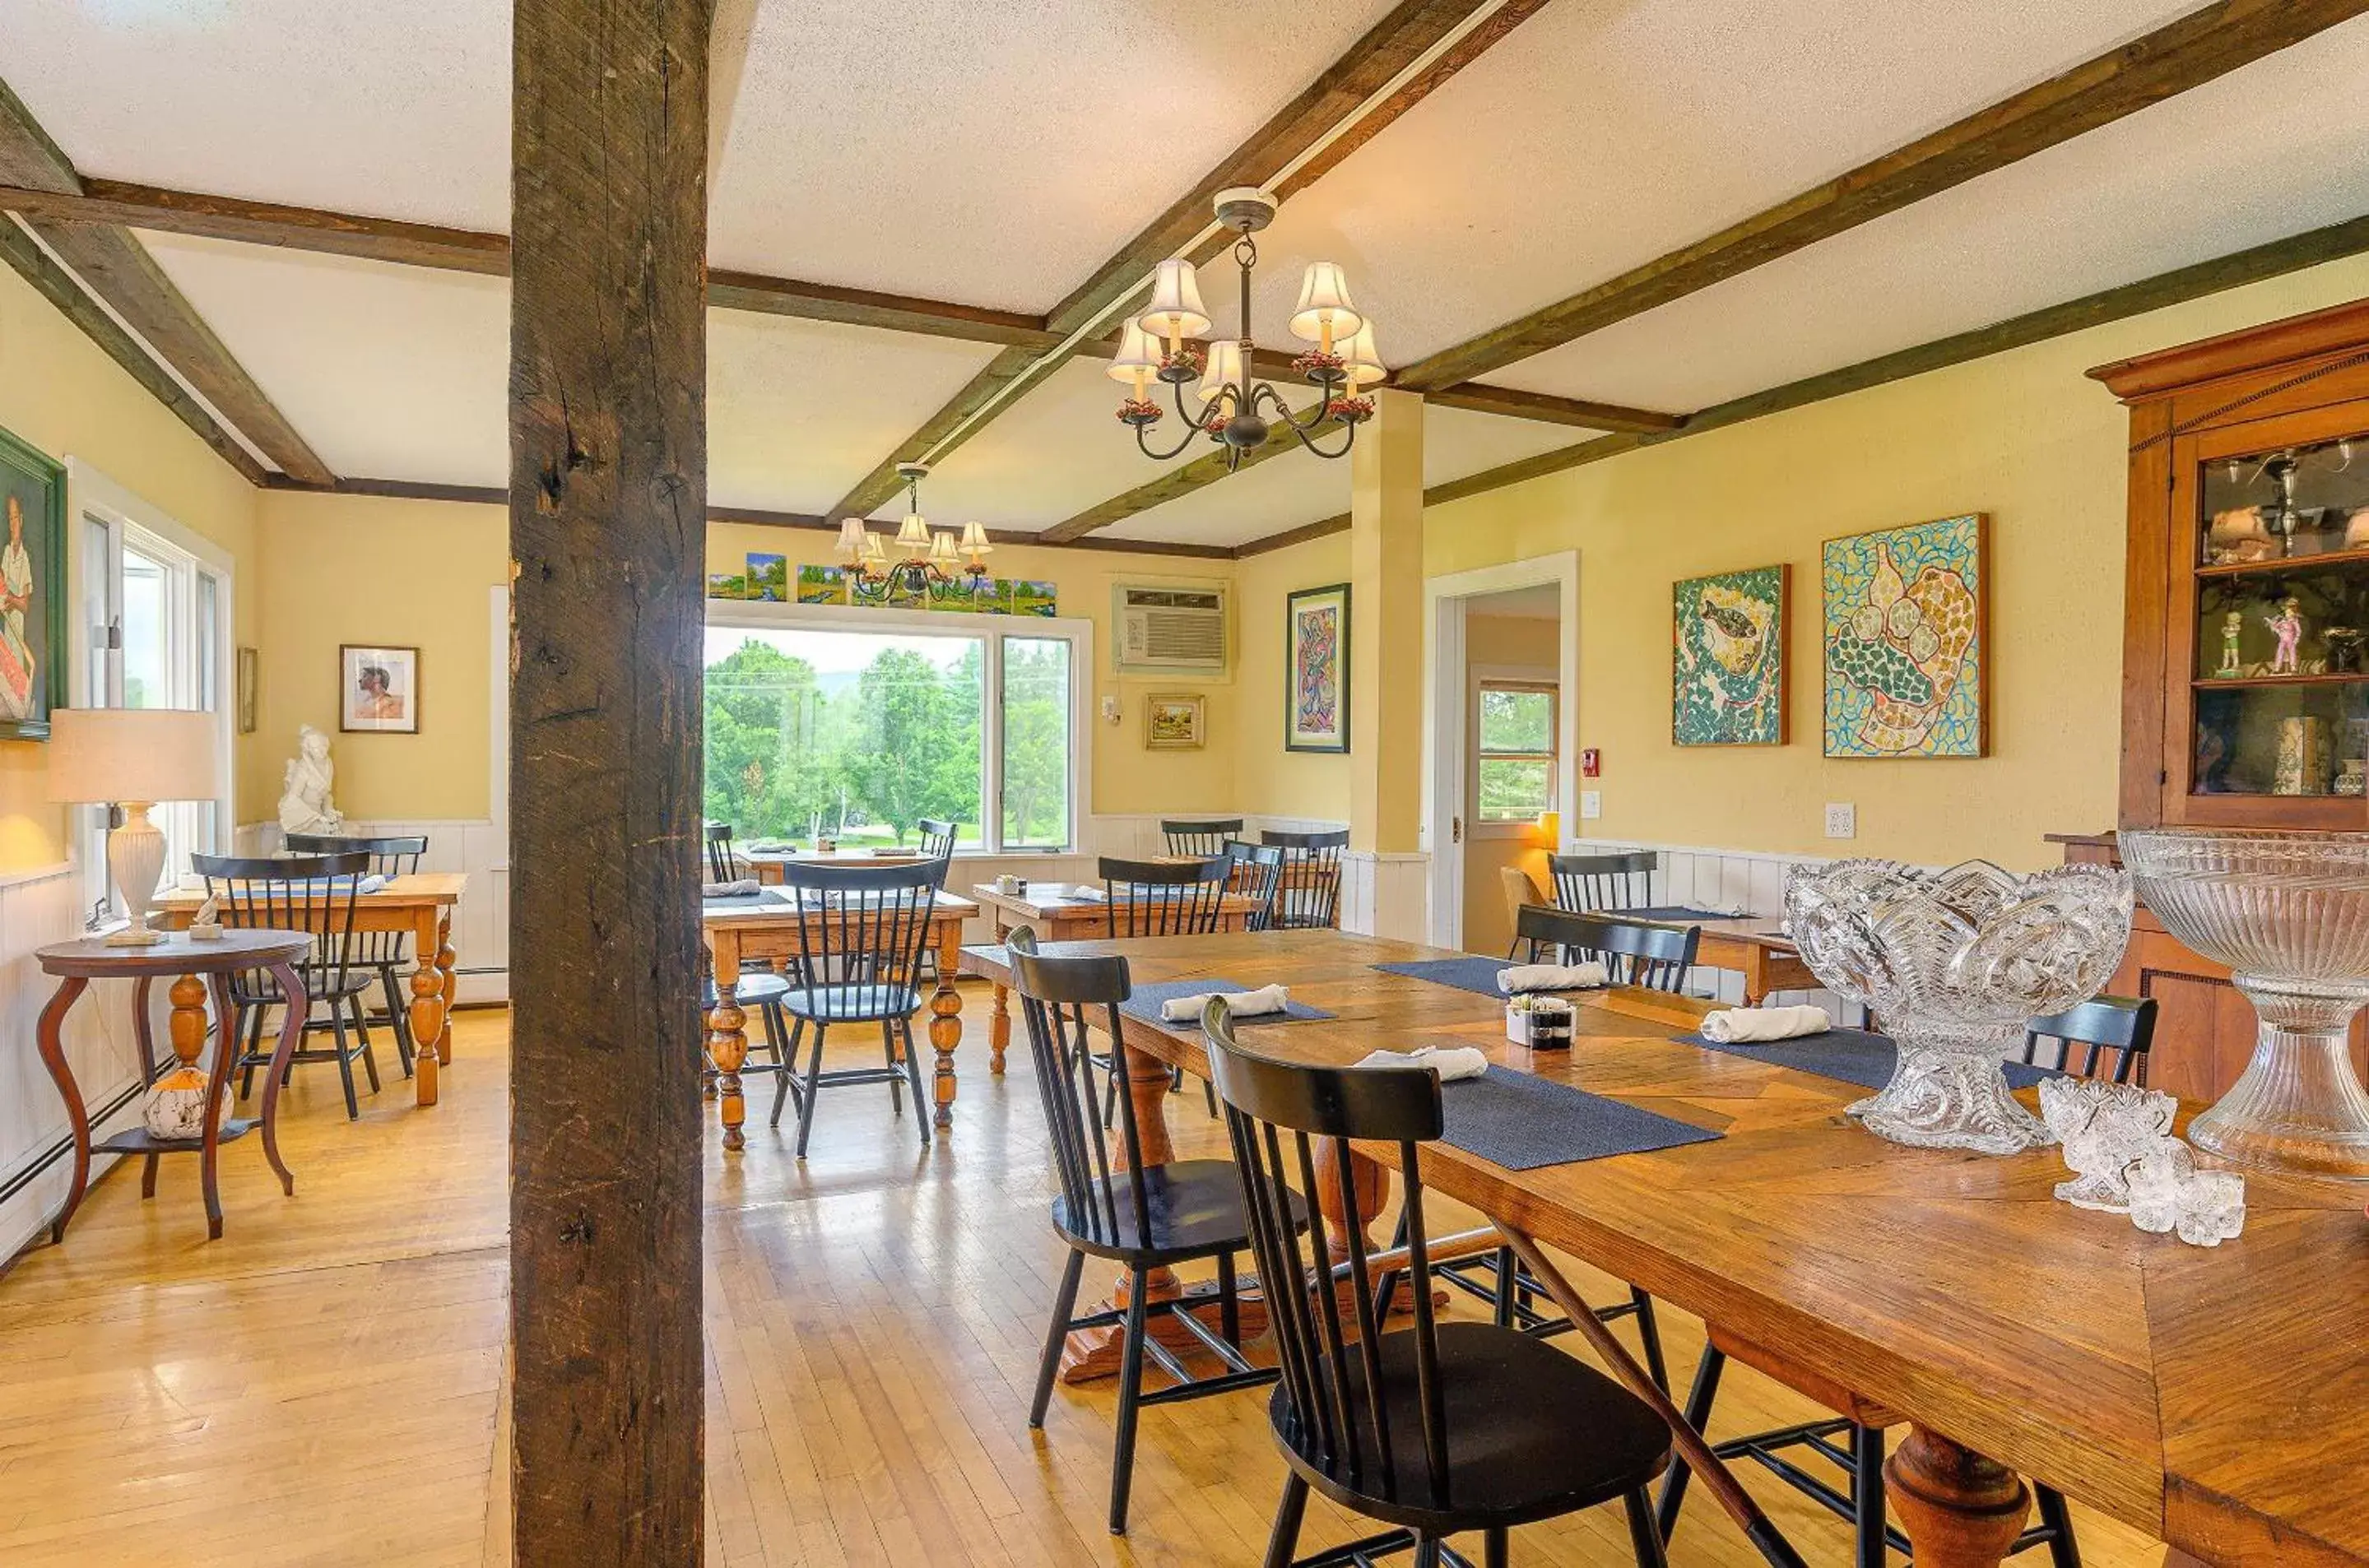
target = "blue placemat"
x: 1149, y: 995
x: 1851, y: 1055
x: 1682, y: 914
x: 1467, y: 973
x: 757, y: 899
x: 1522, y: 1121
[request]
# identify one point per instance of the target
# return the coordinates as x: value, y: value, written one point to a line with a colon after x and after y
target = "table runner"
x: 759, y: 900
x: 1522, y: 1121
x: 1468, y: 973
x: 1850, y: 1056
x: 1145, y: 1003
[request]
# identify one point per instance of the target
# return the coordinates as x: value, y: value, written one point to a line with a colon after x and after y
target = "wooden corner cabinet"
x: 2245, y: 677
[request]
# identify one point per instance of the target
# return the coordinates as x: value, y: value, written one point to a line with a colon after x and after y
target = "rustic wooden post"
x: 607, y: 500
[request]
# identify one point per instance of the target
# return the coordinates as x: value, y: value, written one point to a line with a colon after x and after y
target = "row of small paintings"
x: 767, y: 580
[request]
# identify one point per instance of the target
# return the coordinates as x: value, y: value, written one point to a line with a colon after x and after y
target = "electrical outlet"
x: 1842, y: 822
x: 1591, y: 803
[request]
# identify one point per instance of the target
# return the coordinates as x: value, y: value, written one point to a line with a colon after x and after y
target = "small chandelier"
x: 1228, y: 406
x: 923, y: 556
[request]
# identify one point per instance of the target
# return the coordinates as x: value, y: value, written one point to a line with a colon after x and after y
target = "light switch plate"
x: 1591, y: 803
x: 1842, y: 822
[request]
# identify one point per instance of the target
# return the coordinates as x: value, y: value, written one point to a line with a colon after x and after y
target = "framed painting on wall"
x: 1172, y: 721
x: 1316, y: 670
x: 381, y: 687
x: 1728, y: 633
x: 32, y: 590
x: 1906, y: 641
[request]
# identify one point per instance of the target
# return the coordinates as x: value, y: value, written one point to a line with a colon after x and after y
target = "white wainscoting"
x: 1721, y: 879
x: 38, y: 907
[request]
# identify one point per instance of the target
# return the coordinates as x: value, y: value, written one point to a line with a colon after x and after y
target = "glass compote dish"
x: 2289, y: 913
x: 1954, y: 962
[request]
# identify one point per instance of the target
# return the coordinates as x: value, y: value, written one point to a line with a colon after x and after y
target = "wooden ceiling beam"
x: 1514, y: 402
x: 1176, y: 483
x: 1310, y: 129
x: 112, y: 264
x: 2204, y: 44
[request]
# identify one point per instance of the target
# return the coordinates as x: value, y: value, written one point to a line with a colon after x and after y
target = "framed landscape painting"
x: 1172, y: 721
x: 1906, y: 641
x: 1316, y: 670
x: 32, y: 590
x: 1727, y: 662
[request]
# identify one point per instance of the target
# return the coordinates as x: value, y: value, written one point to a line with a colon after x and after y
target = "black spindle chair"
x: 308, y: 893
x: 860, y: 946
x: 2120, y: 1025
x: 385, y: 952
x: 1257, y: 870
x: 1164, y: 897
x: 937, y: 837
x: 1310, y: 893
x: 723, y: 863
x: 1140, y: 1218
x: 1201, y: 838
x: 1584, y: 882
x: 1434, y: 1430
x: 1634, y: 953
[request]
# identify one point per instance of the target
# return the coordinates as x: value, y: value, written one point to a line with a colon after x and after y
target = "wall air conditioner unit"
x: 1170, y: 630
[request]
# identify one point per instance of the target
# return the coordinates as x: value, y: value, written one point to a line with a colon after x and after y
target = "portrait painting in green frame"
x: 1727, y: 657
x: 1906, y: 640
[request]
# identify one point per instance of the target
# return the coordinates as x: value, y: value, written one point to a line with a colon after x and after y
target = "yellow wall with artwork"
x: 61, y: 395
x: 1268, y: 780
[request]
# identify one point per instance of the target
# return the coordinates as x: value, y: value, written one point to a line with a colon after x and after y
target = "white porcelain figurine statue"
x: 304, y: 803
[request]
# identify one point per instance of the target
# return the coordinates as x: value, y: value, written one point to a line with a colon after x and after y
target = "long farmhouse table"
x: 2218, y: 1399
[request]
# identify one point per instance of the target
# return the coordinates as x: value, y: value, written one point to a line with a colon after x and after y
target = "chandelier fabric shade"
x: 913, y: 534
x: 926, y: 560
x: 1138, y: 359
x: 1360, y: 362
x: 1325, y: 315
x: 1176, y: 310
x: 1221, y: 375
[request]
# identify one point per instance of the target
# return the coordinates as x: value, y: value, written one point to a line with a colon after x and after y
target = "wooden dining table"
x: 2216, y: 1399
x: 421, y: 903
x: 770, y: 930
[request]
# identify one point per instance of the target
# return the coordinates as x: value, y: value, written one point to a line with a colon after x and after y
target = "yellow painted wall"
x: 2021, y: 436
x: 338, y: 569
x: 1267, y: 779
x: 61, y: 394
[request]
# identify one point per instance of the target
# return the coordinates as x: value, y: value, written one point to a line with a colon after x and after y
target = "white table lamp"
x: 133, y: 758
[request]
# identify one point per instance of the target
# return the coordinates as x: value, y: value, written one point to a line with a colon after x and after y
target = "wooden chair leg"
x: 2064, y: 1552
x: 813, y: 1086
x: 1867, y: 1496
x: 1493, y: 1549
x: 1283, y: 1542
x: 787, y: 1078
x: 1230, y: 1302
x: 1649, y: 1334
x: 914, y: 1076
x: 1642, y: 1537
x: 888, y: 1054
x: 148, y: 1176
x: 345, y: 1063
x: 1698, y: 1414
x: 398, y: 1018
x: 1130, y: 1390
x: 362, y: 1030
x: 1065, y: 1306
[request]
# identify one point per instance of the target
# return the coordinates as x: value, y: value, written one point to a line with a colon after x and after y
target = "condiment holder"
x: 1541, y: 1023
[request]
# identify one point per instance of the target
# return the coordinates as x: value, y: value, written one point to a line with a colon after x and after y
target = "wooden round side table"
x: 76, y: 963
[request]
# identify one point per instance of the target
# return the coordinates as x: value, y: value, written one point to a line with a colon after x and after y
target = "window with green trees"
x: 1516, y: 761
x: 861, y: 735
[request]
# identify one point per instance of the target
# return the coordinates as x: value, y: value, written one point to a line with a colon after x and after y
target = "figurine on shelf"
x: 304, y: 803
x: 2343, y: 649
x: 2287, y: 626
x: 2232, y: 624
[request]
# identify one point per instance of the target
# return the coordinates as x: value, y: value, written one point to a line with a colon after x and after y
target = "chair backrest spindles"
x: 1200, y: 838
x: 1310, y: 893
x: 1586, y: 882
x: 309, y: 893
x: 1058, y: 996
x: 866, y: 929
x: 1633, y: 951
x: 937, y: 837
x: 1279, y: 1115
x: 1164, y: 898
x: 723, y: 864
x: 390, y: 856
x: 2121, y: 1028
x: 1256, y: 871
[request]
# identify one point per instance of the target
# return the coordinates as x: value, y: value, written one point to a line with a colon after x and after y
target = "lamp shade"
x: 852, y: 537
x: 1137, y: 358
x: 1324, y: 303
x: 120, y: 754
x: 912, y: 534
x: 1360, y: 362
x: 1224, y: 368
x: 975, y: 542
x: 873, y: 553
x: 941, y: 548
x: 1176, y: 309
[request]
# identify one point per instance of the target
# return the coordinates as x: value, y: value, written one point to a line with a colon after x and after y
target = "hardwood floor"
x: 324, y: 1386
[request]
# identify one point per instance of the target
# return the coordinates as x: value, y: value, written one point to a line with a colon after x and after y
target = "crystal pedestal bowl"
x: 2289, y: 914
x: 1954, y: 962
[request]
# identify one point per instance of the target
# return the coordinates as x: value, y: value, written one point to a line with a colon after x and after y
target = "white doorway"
x: 1502, y: 747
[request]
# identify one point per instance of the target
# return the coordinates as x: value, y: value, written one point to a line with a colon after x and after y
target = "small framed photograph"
x: 380, y: 690
x: 247, y: 680
x: 1173, y: 722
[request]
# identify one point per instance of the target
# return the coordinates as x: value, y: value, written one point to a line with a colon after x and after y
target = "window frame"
x: 993, y: 630
x: 1511, y: 678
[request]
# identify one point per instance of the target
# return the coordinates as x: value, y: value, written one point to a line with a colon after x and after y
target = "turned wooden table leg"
x: 1960, y: 1510
x: 427, y: 1011
x: 727, y: 1045
x: 449, y: 988
x: 999, y: 1023
x: 946, y: 1022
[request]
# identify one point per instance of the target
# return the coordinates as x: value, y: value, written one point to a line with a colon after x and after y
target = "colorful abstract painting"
x: 1727, y: 667
x: 1316, y: 666
x: 1906, y: 641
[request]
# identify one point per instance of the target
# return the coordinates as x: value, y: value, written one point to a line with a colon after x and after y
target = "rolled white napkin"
x: 1589, y: 976
x: 1755, y: 1025
x: 740, y: 890
x: 1242, y: 1003
x: 370, y: 884
x: 1451, y: 1063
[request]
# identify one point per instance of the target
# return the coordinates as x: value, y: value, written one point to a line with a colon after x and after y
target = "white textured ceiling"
x: 2236, y: 163
x: 1600, y: 135
x: 1288, y: 492
x: 400, y: 108
x: 995, y: 154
